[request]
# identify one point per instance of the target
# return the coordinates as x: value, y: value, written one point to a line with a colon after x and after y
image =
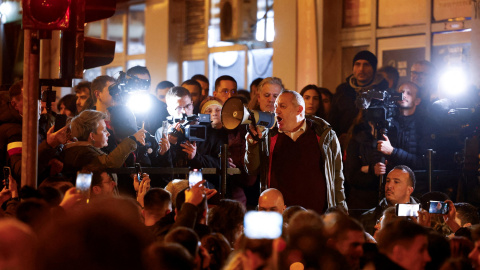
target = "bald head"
x: 271, y: 200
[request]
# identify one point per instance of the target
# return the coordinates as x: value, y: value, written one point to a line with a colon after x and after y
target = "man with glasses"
x: 225, y: 88
x: 195, y: 90
x: 173, y: 153
x: 103, y: 185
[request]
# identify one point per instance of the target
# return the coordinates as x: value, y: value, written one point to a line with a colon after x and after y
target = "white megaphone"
x: 235, y: 113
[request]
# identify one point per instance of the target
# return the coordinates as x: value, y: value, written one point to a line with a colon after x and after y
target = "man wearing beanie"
x: 364, y: 76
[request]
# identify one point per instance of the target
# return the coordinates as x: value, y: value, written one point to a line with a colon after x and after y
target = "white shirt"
x: 295, y: 134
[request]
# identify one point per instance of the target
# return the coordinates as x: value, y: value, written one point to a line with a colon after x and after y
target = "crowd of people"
x: 328, y: 169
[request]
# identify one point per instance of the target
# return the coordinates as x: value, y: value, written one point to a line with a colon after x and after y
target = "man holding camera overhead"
x: 305, y: 161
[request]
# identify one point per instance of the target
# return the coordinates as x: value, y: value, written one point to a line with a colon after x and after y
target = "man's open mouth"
x: 279, y: 119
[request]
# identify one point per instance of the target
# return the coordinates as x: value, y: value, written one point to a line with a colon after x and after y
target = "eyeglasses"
x: 226, y: 91
x: 186, y: 107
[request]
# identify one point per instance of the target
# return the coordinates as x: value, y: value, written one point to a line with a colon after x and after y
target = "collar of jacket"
x: 377, y: 80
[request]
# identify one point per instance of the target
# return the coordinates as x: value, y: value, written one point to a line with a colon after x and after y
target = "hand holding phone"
x: 60, y: 122
x: 195, y: 194
x: 438, y: 207
x: 138, y: 169
x: 194, y: 177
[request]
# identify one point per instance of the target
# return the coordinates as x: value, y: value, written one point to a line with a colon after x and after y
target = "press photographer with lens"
x: 132, y: 89
x: 179, y: 135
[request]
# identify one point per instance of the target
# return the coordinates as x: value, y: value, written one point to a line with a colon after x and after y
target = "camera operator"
x: 364, y: 76
x: 412, y: 134
x: 173, y: 152
x: 123, y: 124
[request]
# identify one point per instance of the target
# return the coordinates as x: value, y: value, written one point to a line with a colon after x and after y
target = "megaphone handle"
x: 255, y: 137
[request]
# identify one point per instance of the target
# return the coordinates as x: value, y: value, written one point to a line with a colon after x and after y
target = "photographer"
x: 411, y: 136
x: 176, y: 151
x: 158, y: 112
x: 179, y: 102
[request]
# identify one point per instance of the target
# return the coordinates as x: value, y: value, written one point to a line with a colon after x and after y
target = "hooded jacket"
x: 257, y: 160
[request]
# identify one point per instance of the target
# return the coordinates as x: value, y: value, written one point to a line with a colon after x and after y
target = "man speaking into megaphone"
x: 301, y: 156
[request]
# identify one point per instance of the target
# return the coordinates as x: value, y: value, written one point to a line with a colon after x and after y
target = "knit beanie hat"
x: 366, y: 55
x: 208, y: 104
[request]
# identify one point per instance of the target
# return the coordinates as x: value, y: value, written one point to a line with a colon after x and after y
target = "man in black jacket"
x: 399, y: 185
x: 410, y: 138
x: 402, y: 245
x: 364, y: 77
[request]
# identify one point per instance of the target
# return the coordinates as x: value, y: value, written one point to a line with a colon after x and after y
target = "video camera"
x: 193, y: 128
x: 125, y: 84
x: 381, y: 105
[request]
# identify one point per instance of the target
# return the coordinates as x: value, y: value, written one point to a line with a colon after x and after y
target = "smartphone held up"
x: 194, y: 177
x: 437, y: 207
x: 262, y: 225
x: 6, y: 176
x: 83, y: 183
x: 407, y: 209
x: 138, y: 170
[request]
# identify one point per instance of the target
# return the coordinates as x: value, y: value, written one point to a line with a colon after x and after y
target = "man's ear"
x: 96, y: 93
x: 300, y: 109
x: 418, y: 101
x: 410, y: 190
x: 96, y: 190
x: 215, y: 93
